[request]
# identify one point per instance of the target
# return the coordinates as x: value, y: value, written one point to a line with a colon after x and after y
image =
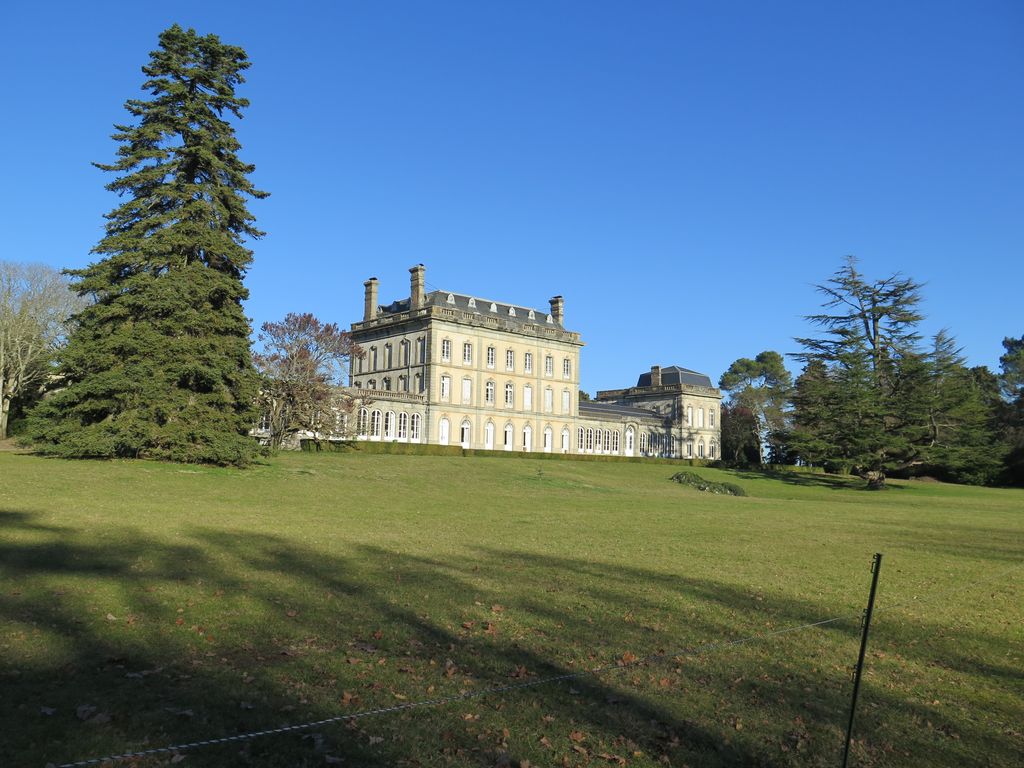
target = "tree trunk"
x: 5, y: 409
x: 876, y: 480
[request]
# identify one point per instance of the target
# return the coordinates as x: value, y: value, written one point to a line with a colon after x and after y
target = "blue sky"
x: 682, y: 172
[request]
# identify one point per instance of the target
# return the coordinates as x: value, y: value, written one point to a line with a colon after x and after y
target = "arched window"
x: 403, y: 426
x: 565, y: 440
x: 597, y: 440
x: 386, y: 383
x: 444, y: 431
x: 509, y: 439
x: 615, y: 441
x: 363, y: 423
x: 629, y: 441
x: 375, y: 424
x: 607, y: 440
x: 580, y: 439
x: 387, y: 356
x: 403, y: 383
x: 465, y: 433
x: 489, y: 392
x: 489, y: 435
x: 371, y: 384
x: 590, y: 440
x: 549, y: 439
x: 527, y: 438
x: 700, y: 450
x: 389, y: 425
x: 373, y: 358
x: 712, y: 449
x: 689, y: 449
x: 510, y: 395
x: 414, y: 430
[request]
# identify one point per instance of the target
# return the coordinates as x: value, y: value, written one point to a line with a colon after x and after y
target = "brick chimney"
x: 416, y: 283
x: 655, y: 375
x: 370, y: 299
x: 558, y: 310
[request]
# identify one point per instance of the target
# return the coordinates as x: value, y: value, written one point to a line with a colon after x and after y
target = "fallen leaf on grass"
x: 111, y: 617
x: 577, y: 736
x: 545, y: 741
x: 497, y: 608
x: 376, y: 740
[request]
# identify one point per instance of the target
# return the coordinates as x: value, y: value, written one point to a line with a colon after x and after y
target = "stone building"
x: 453, y: 369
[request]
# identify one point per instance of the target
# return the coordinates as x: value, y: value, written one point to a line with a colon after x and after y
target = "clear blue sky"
x: 681, y: 172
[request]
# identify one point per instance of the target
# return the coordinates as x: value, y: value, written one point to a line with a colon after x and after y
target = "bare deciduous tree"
x: 35, y: 307
x: 303, y: 363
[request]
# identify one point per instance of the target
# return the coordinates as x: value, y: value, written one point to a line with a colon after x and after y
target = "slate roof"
x: 598, y: 410
x: 673, y: 374
x: 512, y: 313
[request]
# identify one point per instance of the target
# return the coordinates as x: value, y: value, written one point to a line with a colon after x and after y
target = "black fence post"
x: 876, y: 566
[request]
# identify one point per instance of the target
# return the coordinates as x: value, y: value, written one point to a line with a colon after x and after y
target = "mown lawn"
x: 144, y: 605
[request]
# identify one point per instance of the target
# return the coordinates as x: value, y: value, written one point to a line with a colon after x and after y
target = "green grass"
x: 184, y: 603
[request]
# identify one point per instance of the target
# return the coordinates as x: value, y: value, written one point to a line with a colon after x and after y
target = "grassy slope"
x: 186, y: 603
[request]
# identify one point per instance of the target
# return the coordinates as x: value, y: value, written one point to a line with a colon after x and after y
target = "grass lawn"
x: 144, y: 604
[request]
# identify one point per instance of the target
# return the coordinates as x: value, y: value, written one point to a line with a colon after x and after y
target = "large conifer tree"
x: 160, y: 364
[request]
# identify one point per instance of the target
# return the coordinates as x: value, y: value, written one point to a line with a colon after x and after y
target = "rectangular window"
x: 528, y: 362
x: 510, y: 360
x: 549, y: 400
x: 489, y: 392
x: 527, y: 398
x: 566, y: 401
x: 700, y: 418
x: 446, y: 387
x: 490, y: 357
x: 446, y: 350
x: 403, y: 426
x: 711, y: 420
x: 467, y: 389
x: 467, y: 353
x: 414, y: 433
x: 549, y: 366
x: 510, y: 395
x: 567, y: 368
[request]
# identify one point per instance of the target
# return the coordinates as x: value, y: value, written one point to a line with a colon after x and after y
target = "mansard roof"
x: 673, y: 374
x: 511, y: 313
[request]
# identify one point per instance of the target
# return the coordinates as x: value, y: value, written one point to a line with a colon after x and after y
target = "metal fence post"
x: 876, y: 566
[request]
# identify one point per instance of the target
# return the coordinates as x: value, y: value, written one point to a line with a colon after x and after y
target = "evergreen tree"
x: 159, y: 365
x: 762, y: 386
x: 873, y: 374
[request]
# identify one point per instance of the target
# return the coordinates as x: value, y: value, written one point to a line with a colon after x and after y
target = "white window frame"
x: 510, y: 360
x: 566, y: 401
x: 491, y: 355
x: 527, y: 397
x: 489, y: 389
x: 467, y: 390
x: 446, y: 350
x: 567, y: 368
x: 528, y: 362
x: 510, y: 395
x: 467, y: 353
x: 446, y: 388
x: 403, y: 426
x: 549, y: 365
x: 414, y: 428
x: 549, y: 400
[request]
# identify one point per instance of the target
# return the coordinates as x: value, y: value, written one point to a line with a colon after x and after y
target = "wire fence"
x: 618, y: 666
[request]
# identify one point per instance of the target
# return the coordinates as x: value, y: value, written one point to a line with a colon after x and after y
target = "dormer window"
x: 494, y: 307
x: 531, y: 316
x: 511, y: 311
x: 549, y: 319
x: 451, y: 298
x: 472, y: 303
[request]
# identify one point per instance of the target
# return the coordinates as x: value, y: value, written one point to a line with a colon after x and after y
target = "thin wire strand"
x: 616, y: 667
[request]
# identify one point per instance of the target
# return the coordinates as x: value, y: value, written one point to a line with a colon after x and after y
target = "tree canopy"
x: 762, y: 388
x: 159, y: 364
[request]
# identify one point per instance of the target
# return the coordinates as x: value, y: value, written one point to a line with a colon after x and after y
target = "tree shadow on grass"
x: 812, y: 479
x: 114, y: 645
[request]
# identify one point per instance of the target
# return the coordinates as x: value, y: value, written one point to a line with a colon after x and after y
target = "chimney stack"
x: 416, y: 283
x: 370, y: 299
x: 558, y: 310
x: 655, y: 375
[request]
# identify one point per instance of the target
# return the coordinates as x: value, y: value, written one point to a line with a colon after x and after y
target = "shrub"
x: 694, y: 480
